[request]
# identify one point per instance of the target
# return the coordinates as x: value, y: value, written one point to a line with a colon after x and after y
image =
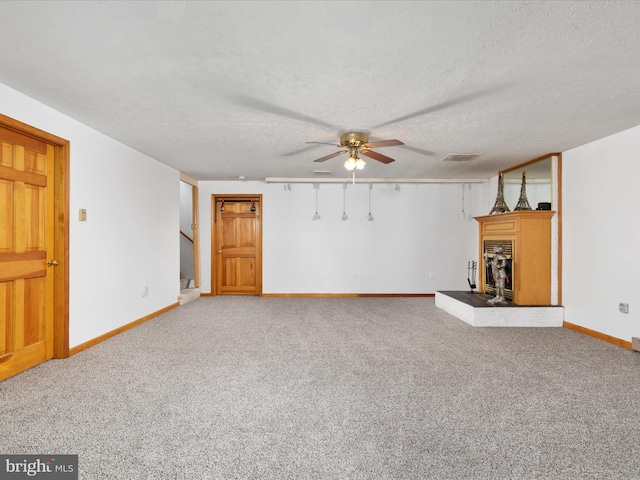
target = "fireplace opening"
x: 489, y: 252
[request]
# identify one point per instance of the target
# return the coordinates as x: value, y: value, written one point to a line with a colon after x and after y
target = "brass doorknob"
x: 219, y: 251
x: 52, y: 263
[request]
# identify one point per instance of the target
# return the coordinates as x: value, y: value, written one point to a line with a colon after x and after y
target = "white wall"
x: 416, y: 232
x: 601, y: 234
x: 130, y: 237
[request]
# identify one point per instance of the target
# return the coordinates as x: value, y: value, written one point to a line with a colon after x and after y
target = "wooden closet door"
x: 26, y: 236
x: 237, y: 248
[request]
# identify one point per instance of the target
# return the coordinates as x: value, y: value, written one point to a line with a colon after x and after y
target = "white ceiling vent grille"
x: 460, y: 157
x: 322, y: 173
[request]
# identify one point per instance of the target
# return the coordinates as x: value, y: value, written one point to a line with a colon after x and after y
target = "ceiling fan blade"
x: 258, y: 104
x: 383, y: 143
x: 449, y: 103
x: 326, y: 143
x: 377, y: 156
x: 323, y: 159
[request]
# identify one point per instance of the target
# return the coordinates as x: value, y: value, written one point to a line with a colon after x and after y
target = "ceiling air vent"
x: 322, y: 173
x: 460, y: 157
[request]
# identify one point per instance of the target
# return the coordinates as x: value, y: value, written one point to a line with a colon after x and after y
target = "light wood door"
x: 237, y: 245
x: 27, y: 215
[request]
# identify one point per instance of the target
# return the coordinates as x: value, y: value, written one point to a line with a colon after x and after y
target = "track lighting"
x: 370, y: 216
x: 316, y: 186
x: 462, y: 215
x: 344, y: 203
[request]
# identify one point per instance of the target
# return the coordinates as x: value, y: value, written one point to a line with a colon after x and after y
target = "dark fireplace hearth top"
x: 480, y: 299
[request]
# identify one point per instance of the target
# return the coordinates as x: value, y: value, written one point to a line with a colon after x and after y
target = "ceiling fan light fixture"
x: 351, y: 163
x: 357, y: 144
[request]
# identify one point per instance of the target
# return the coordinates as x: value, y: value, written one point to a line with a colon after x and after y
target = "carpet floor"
x: 332, y: 388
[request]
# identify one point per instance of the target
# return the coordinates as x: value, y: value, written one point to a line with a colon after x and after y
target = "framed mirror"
x: 538, y: 183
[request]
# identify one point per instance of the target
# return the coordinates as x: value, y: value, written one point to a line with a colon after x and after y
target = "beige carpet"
x: 346, y: 388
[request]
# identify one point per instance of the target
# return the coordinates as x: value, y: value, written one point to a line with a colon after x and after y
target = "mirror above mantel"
x: 538, y: 183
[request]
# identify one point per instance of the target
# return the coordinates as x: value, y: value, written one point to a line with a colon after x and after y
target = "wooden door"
x: 237, y: 252
x: 27, y: 212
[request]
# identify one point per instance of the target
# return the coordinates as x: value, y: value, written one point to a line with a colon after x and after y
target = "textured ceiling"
x: 226, y: 89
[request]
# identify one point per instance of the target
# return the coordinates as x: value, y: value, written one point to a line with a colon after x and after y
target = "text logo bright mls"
x: 51, y: 467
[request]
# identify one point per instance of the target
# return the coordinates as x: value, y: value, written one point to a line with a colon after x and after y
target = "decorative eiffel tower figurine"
x: 500, y: 205
x: 523, y: 203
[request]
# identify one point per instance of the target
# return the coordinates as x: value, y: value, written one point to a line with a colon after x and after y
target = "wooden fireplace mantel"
x: 530, y: 234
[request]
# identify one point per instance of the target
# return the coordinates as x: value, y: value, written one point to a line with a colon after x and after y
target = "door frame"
x: 194, y: 226
x: 230, y: 197
x: 61, y: 230
x: 196, y: 236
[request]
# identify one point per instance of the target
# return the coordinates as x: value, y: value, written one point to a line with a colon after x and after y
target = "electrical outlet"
x: 623, y: 307
x: 145, y: 291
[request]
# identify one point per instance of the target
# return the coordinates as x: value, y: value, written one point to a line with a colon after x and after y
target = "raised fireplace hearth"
x: 474, y: 310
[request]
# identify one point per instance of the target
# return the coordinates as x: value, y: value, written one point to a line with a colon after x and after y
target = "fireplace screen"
x: 489, y: 284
